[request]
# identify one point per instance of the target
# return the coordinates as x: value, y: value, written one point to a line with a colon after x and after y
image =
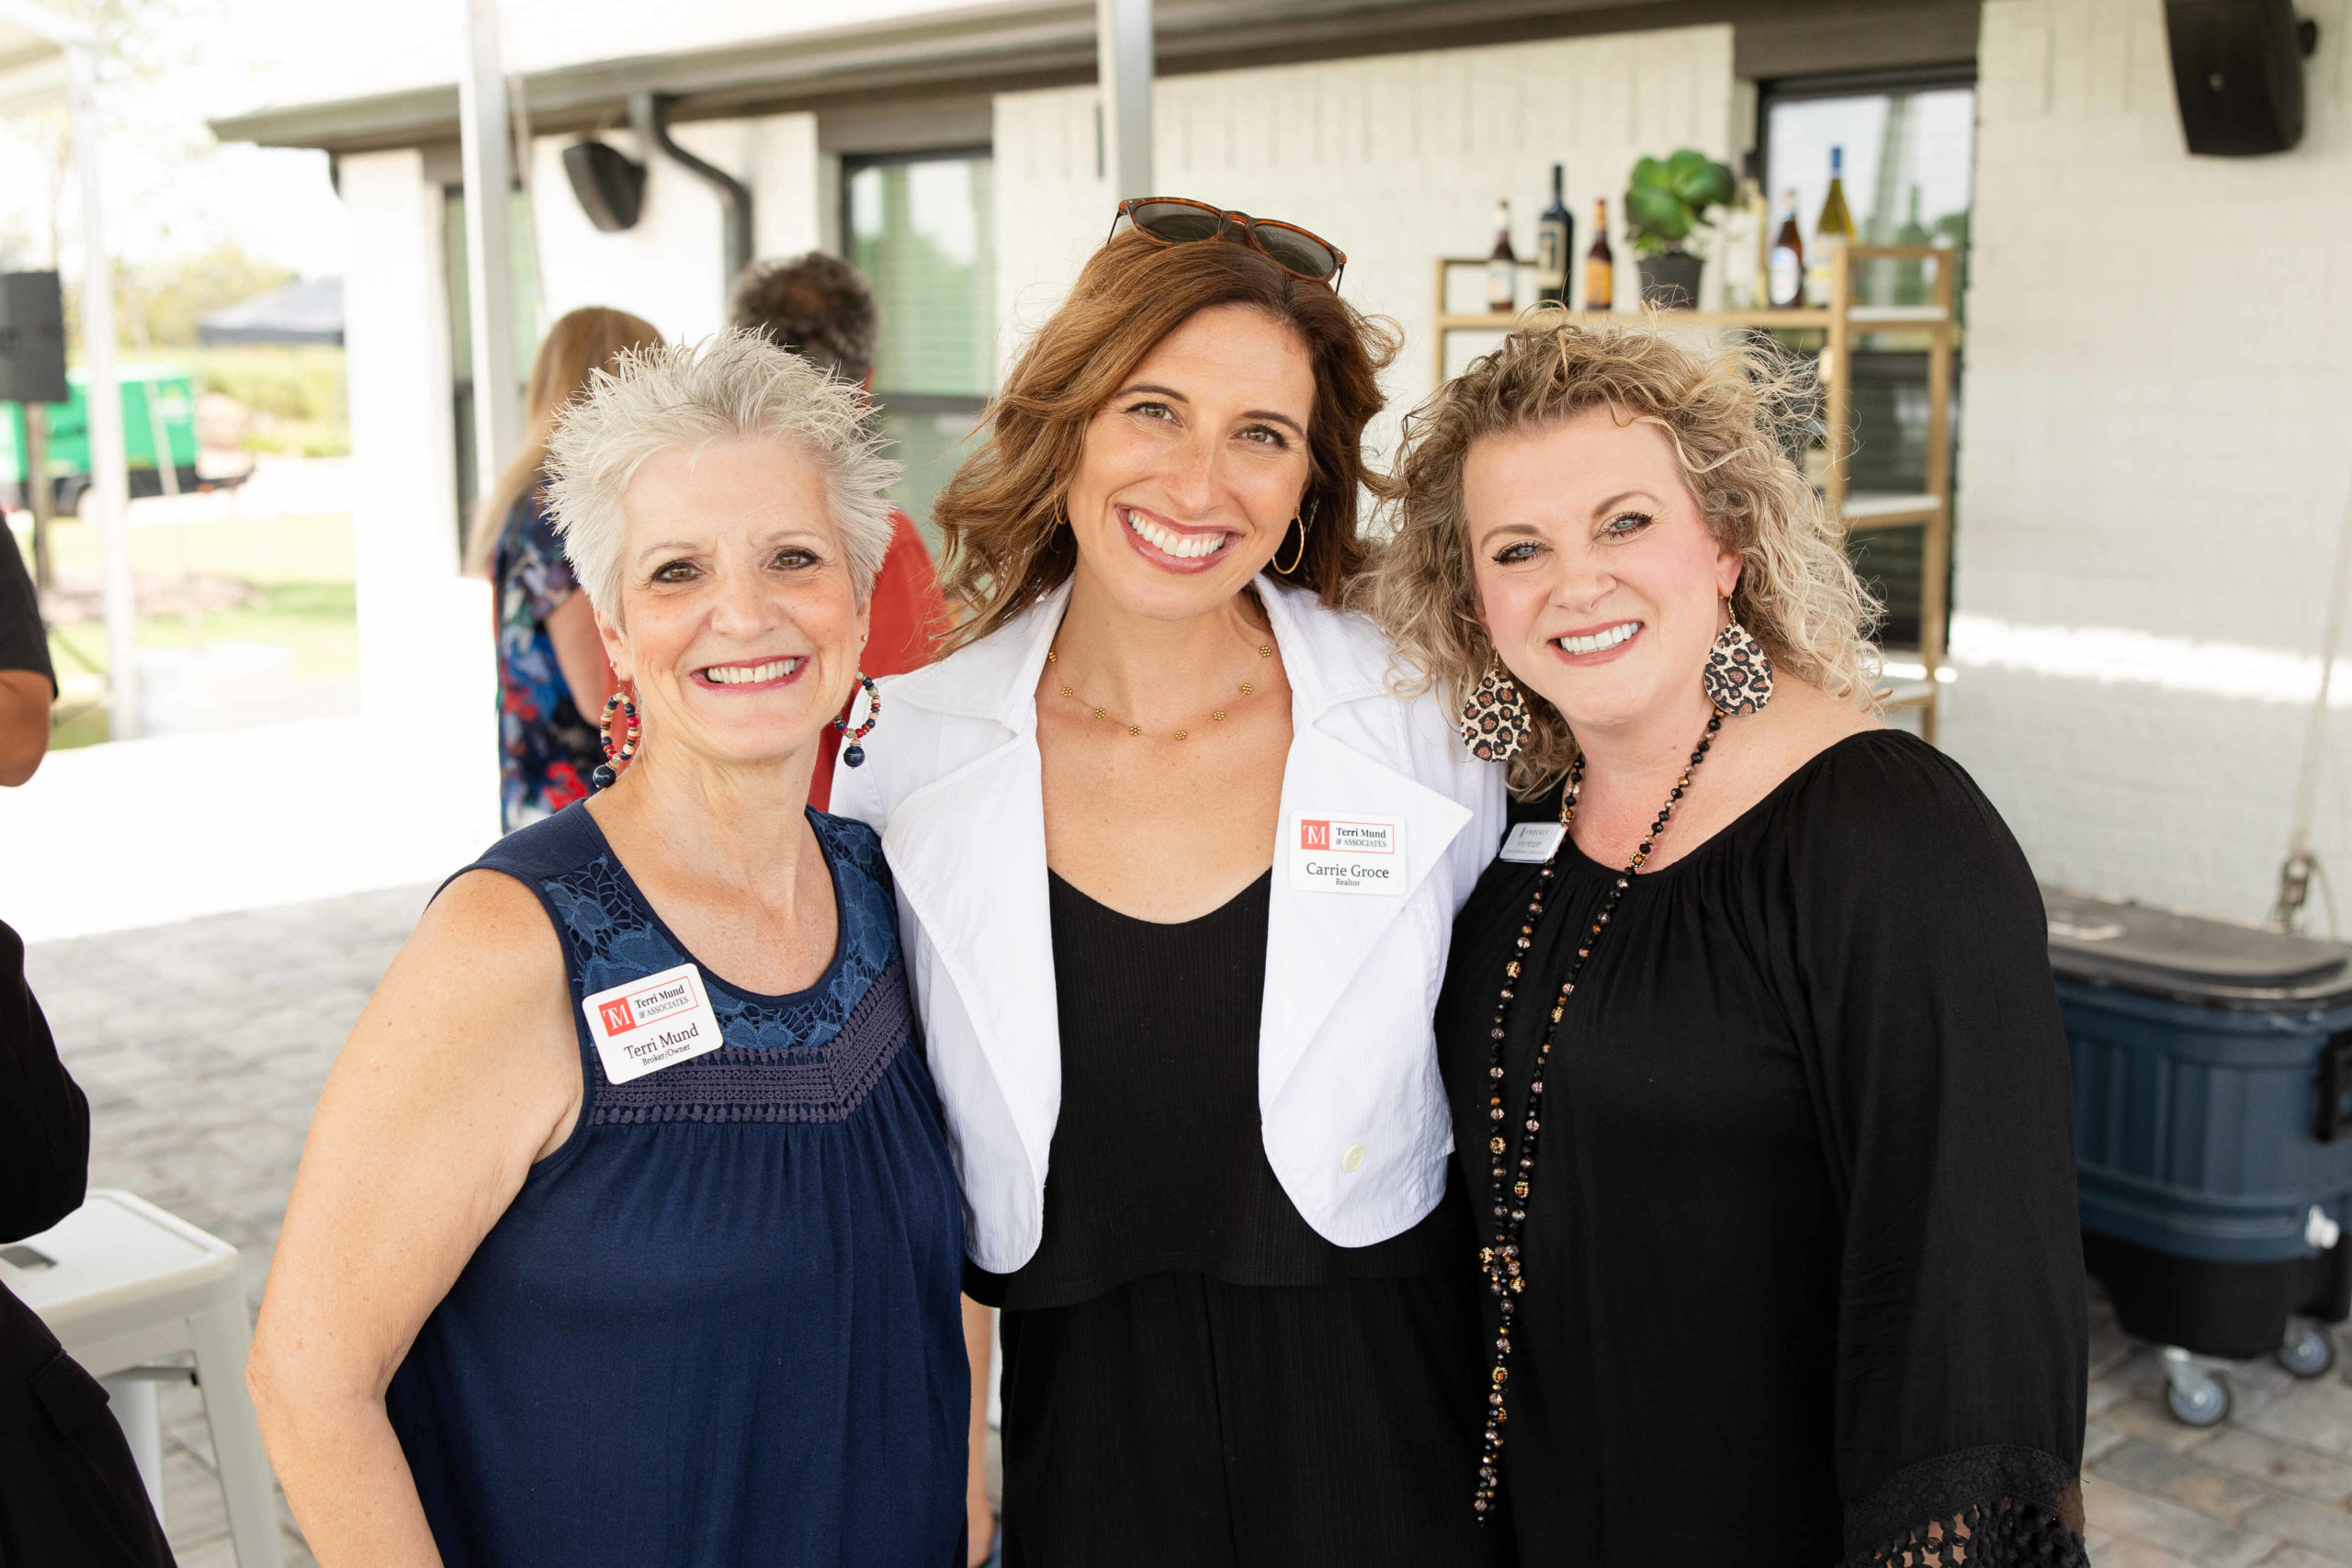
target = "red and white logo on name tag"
x: 651, y: 1023
x: 1342, y: 853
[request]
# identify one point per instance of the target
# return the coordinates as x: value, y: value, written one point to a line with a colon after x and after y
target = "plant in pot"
x: 1666, y: 204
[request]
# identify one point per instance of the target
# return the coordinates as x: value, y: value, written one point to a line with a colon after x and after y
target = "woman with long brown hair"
x: 551, y: 671
x: 1175, y: 867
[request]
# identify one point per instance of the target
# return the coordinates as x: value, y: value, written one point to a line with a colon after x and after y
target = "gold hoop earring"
x: 1304, y: 521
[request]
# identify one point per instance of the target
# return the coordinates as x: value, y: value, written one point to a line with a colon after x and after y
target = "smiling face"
x: 1600, y: 582
x: 738, y: 622
x: 1191, y: 473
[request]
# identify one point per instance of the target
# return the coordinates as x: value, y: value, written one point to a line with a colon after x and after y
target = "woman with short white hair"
x: 626, y: 1231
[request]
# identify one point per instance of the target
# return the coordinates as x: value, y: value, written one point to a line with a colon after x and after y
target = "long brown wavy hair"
x: 580, y: 344
x: 1001, y: 514
x: 1732, y: 415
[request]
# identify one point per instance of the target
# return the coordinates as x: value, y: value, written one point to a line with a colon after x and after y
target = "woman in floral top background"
x: 552, y: 678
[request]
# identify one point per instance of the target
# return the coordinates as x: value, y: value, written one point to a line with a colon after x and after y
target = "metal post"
x: 110, y: 480
x: 41, y: 496
x: 486, y: 154
x: 1123, y: 67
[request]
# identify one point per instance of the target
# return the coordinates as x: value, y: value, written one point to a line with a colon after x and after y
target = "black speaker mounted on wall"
x: 2237, y: 67
x: 609, y: 183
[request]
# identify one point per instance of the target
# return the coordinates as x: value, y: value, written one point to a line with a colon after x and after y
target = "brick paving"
x: 202, y: 1047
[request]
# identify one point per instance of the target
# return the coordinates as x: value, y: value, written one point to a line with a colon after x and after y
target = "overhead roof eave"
x: 986, y: 48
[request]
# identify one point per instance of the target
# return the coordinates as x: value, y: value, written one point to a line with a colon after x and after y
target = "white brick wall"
x: 1396, y: 160
x: 2159, y: 392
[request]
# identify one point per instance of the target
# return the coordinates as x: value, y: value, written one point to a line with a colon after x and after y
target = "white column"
x: 486, y: 142
x: 1123, y: 68
x: 403, y: 431
x: 110, y: 480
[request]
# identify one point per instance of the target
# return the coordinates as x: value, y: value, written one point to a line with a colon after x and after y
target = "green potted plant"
x: 1666, y: 203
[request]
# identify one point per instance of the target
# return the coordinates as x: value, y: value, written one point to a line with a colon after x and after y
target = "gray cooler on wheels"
x: 2213, y: 1134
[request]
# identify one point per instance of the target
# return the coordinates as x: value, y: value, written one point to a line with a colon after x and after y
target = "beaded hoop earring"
x: 607, y: 771
x: 853, y: 754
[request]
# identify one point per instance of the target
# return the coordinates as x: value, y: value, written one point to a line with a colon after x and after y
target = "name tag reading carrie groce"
x: 651, y: 1023
x: 1341, y: 853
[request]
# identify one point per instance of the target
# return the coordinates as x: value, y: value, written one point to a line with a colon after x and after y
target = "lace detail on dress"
x: 733, y: 1084
x: 1989, y: 1507
x: 614, y: 939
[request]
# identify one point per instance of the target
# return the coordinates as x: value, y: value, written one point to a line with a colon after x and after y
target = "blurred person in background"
x: 817, y: 307
x: 28, y: 682
x: 69, y: 1492
x: 626, y: 1231
x: 552, y: 677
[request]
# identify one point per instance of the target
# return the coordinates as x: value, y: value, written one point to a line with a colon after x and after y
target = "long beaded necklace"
x: 1499, y: 1258
x: 1248, y: 688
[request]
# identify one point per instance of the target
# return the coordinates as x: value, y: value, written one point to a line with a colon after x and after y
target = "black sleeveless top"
x: 1159, y: 1158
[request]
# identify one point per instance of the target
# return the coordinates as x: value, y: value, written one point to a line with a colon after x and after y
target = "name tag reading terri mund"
x: 651, y: 1023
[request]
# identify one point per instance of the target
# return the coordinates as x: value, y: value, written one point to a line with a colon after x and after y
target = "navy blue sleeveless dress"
x: 720, y: 1325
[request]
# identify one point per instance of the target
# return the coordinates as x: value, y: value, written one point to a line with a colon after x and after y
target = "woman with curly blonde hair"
x: 1758, y: 1078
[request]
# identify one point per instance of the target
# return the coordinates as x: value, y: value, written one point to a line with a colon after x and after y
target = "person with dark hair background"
x: 817, y: 307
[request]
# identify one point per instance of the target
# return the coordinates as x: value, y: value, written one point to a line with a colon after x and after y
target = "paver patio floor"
x: 202, y: 1047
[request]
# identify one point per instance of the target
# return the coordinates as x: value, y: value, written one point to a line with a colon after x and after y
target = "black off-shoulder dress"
x: 1805, y: 1282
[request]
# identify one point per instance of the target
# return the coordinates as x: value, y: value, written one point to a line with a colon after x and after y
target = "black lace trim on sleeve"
x: 1989, y: 1507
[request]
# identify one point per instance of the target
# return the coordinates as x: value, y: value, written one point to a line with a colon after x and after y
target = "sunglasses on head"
x: 1179, y: 221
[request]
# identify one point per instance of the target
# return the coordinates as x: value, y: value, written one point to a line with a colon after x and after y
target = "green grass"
x: 302, y: 567
x: 278, y: 549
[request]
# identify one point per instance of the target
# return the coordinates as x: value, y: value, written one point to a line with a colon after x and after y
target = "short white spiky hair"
x: 735, y: 386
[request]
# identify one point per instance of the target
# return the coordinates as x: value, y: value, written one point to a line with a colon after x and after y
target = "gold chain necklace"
x: 1248, y: 689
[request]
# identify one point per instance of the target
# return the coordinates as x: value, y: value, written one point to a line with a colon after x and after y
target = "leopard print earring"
x: 1739, y: 678
x: 1494, y: 723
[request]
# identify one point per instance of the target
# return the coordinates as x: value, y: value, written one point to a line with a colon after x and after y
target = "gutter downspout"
x: 649, y: 115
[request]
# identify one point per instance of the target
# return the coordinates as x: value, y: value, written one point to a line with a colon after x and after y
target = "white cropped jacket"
x: 1355, y: 1118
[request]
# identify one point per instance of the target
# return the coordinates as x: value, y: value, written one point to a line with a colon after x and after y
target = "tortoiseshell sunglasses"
x: 1180, y: 221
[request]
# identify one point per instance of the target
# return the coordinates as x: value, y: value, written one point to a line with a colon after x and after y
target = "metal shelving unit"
x: 1840, y: 322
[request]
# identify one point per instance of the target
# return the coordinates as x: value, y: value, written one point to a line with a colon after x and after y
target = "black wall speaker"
x: 609, y: 183
x: 32, y: 338
x: 2237, y: 66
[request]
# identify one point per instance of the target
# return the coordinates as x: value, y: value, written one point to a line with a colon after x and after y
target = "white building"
x: 2154, y: 465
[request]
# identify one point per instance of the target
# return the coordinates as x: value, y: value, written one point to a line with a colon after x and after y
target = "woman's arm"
x: 979, y: 1332
x: 1945, y: 1098
x: 462, y: 1071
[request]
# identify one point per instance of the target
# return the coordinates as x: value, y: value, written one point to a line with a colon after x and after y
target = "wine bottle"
x: 1554, y: 232
x: 1834, y: 229
x: 1599, y: 263
x: 1744, y: 231
x: 1911, y: 276
x: 1502, y: 266
x: 1787, y: 264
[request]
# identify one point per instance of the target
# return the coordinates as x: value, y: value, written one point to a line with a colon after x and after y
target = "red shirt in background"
x: 910, y: 618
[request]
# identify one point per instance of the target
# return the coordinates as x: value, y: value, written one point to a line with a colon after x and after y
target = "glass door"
x: 922, y: 228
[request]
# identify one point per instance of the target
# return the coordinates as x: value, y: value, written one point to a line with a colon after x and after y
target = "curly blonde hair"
x: 1734, y: 415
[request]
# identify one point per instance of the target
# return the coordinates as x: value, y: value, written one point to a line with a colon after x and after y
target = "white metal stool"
x: 126, y: 1284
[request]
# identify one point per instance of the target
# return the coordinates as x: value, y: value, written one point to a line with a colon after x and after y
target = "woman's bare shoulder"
x: 483, y: 971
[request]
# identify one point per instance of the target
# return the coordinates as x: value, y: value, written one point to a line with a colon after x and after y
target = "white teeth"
x: 751, y: 674
x: 1184, y: 547
x: 1609, y: 637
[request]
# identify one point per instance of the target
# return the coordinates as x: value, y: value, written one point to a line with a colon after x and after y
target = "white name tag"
x: 651, y: 1023
x: 1336, y: 853
x: 1532, y: 843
